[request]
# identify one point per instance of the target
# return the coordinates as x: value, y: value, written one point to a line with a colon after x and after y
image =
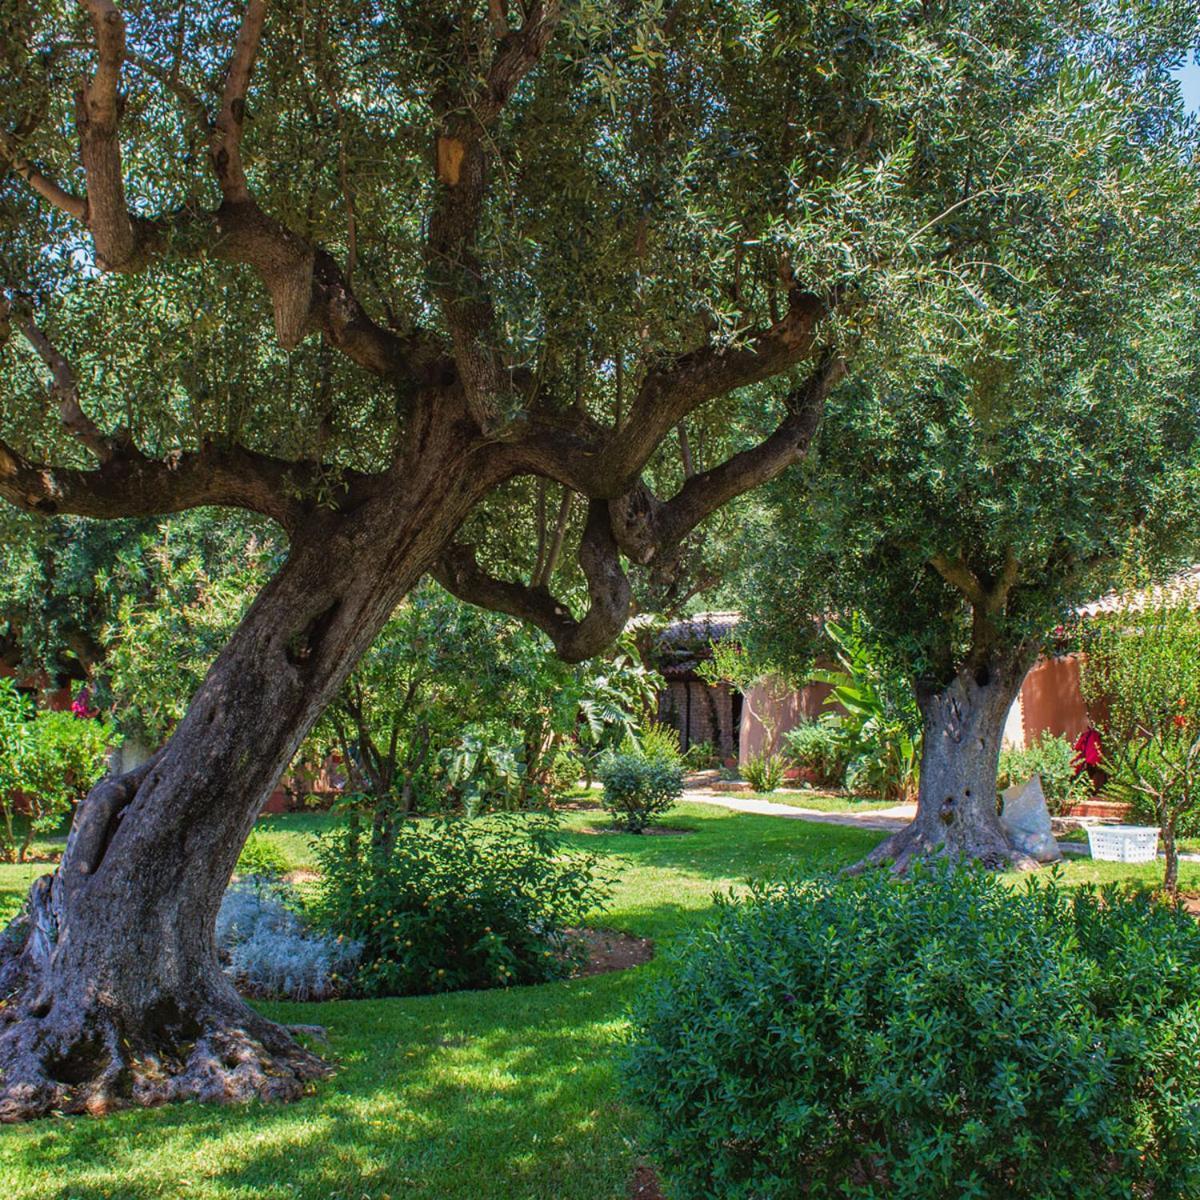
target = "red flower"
x: 1087, y: 750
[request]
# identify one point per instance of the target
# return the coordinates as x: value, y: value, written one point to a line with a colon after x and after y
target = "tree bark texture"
x: 957, y: 814
x: 112, y: 992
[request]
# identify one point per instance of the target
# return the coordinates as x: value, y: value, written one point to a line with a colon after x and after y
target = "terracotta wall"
x: 787, y: 711
x: 56, y: 700
x: 1051, y: 700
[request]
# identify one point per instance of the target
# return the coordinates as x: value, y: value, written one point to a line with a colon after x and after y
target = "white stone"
x: 1026, y: 820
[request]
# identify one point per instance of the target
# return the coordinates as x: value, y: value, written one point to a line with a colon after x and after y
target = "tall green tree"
x: 965, y: 512
x: 367, y: 270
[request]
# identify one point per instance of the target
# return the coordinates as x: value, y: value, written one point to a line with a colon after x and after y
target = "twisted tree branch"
x: 308, y: 292
x: 609, y: 593
x: 647, y: 528
x: 225, y: 143
x: 65, y: 386
x: 607, y: 463
x: 128, y: 484
x: 462, y: 158
x: 97, y: 117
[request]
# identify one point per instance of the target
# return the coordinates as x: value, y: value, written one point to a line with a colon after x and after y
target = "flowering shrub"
x: 933, y: 1038
x: 48, y: 761
x: 465, y: 903
x: 81, y: 706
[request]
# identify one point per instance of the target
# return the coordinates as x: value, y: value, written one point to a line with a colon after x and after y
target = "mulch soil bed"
x: 608, y: 950
x: 644, y: 1185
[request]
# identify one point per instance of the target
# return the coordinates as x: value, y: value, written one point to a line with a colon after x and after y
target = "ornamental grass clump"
x: 938, y: 1037
x: 464, y: 903
x: 764, y: 772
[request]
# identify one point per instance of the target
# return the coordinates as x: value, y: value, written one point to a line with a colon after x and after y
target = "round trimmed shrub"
x: 637, y: 788
x: 942, y: 1037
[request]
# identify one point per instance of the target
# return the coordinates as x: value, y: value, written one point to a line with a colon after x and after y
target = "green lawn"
x: 826, y: 802
x: 474, y: 1096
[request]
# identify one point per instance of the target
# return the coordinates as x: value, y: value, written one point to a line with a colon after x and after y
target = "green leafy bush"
x: 938, y: 1037
x: 48, y: 761
x: 466, y: 903
x: 1053, y: 760
x: 260, y: 859
x: 877, y: 717
x: 657, y: 742
x: 700, y: 756
x: 638, y: 789
x: 819, y: 747
x: 764, y: 772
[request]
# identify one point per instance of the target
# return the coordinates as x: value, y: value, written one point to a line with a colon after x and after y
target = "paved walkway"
x: 889, y: 819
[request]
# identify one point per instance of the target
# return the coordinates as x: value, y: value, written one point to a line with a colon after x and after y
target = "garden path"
x: 890, y: 819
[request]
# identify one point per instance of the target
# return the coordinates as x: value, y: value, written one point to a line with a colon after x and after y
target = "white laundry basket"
x: 1124, y: 843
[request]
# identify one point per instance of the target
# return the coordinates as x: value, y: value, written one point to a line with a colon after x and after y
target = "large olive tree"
x: 366, y: 269
x: 967, y: 504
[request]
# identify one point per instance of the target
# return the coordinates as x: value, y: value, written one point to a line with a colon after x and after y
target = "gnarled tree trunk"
x: 113, y: 994
x: 957, y: 803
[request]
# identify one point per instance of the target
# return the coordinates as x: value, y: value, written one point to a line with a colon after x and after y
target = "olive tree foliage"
x: 376, y: 272
x: 965, y: 493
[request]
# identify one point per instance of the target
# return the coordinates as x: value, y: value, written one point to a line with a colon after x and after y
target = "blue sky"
x: 1189, y: 76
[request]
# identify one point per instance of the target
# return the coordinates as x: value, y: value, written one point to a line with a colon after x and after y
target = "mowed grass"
x: 474, y: 1096
x: 505, y: 1095
x: 826, y: 802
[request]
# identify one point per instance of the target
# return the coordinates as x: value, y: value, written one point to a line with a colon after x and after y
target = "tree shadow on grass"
x: 511, y: 1095
x: 739, y: 845
x: 474, y: 1095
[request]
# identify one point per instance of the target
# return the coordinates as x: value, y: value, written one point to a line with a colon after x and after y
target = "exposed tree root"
x: 913, y: 842
x: 83, y: 1053
x: 91, y: 1067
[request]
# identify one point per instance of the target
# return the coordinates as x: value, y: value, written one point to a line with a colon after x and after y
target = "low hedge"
x: 940, y: 1037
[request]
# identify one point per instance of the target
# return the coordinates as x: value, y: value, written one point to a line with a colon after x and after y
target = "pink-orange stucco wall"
x: 1052, y: 701
x: 785, y: 709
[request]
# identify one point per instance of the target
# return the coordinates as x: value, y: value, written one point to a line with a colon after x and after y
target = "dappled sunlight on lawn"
x: 502, y: 1095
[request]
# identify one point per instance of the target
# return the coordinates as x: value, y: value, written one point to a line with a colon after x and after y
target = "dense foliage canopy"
x: 517, y: 294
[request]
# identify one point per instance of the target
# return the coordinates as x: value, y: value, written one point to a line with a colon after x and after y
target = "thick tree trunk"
x: 113, y: 993
x: 956, y: 803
